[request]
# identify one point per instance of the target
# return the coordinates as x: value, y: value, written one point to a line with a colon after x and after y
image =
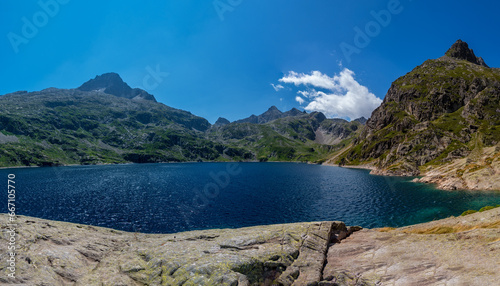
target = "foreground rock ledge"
x: 453, y: 251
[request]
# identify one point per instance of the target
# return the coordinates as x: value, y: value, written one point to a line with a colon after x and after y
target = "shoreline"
x: 301, y: 253
x: 133, y: 163
x: 360, y: 167
x: 440, y: 180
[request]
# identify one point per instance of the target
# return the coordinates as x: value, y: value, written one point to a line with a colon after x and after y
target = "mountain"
x: 460, y: 50
x: 107, y: 121
x: 293, y: 136
x: 221, y: 121
x: 292, y: 112
x: 361, y: 120
x: 271, y: 114
x: 112, y: 83
x: 70, y: 126
x: 443, y: 110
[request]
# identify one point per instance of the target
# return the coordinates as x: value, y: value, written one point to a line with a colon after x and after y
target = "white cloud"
x: 306, y: 93
x: 344, y: 96
x: 316, y: 79
x: 299, y: 99
x: 277, y: 87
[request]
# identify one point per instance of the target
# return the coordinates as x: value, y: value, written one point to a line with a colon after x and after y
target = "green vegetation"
x: 486, y: 208
x: 442, y: 110
x: 60, y: 127
x: 467, y: 212
x: 287, y: 139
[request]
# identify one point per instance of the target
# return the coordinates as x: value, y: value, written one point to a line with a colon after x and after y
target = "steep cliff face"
x: 440, y: 111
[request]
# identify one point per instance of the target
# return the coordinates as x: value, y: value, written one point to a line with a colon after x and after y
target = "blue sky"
x: 219, y: 58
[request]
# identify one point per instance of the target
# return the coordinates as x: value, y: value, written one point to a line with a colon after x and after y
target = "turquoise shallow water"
x: 166, y: 198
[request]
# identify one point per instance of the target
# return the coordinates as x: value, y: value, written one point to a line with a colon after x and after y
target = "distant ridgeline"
x: 107, y: 121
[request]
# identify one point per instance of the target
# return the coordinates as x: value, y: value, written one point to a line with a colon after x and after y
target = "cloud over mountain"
x: 340, y: 95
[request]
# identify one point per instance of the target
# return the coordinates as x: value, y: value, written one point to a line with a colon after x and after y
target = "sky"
x: 234, y: 58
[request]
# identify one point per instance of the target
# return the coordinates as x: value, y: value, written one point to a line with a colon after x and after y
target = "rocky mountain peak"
x: 361, y: 120
x: 293, y: 112
x: 221, y: 121
x: 112, y: 83
x: 272, y: 110
x: 460, y: 50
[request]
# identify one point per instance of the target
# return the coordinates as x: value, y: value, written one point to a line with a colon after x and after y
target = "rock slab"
x: 454, y: 251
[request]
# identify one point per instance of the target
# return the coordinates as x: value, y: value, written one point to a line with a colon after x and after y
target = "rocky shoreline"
x: 460, y: 251
x: 477, y: 172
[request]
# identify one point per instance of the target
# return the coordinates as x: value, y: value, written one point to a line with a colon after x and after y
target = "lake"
x: 173, y: 197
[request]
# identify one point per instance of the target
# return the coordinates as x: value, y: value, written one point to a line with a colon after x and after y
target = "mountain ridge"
x: 105, y: 121
x: 271, y: 114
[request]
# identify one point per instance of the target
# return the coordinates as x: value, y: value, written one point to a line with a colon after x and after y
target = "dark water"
x: 166, y: 198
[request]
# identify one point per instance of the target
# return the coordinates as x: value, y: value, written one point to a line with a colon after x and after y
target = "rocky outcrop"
x: 460, y: 50
x: 317, y: 253
x: 478, y: 171
x: 453, y: 251
x: 59, y: 253
x: 307, y: 269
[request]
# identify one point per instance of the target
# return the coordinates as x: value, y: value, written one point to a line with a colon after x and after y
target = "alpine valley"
x: 440, y: 121
x: 106, y: 121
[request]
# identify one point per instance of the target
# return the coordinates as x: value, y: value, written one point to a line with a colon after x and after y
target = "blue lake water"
x: 166, y: 198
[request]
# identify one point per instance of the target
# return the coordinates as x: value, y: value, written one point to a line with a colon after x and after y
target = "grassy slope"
x: 56, y: 128
x: 59, y: 127
x: 285, y: 139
